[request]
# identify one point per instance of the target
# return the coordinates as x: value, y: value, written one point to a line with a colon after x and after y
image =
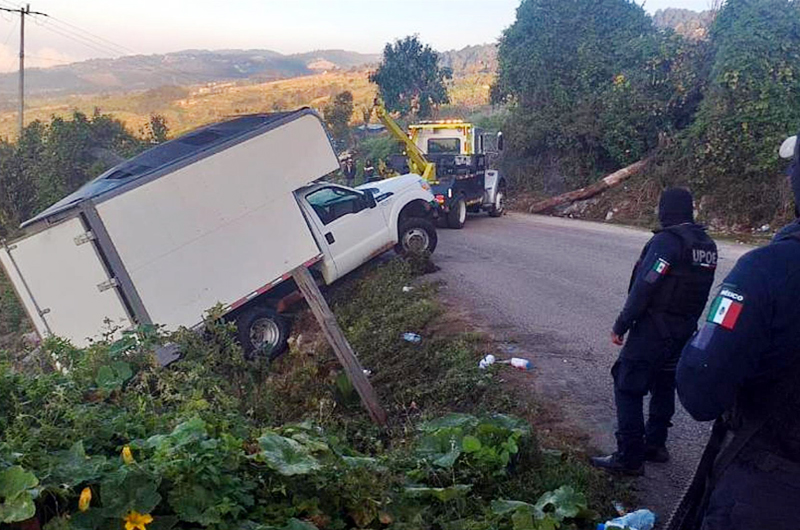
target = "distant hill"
x: 478, y: 59
x: 690, y: 24
x: 188, y: 67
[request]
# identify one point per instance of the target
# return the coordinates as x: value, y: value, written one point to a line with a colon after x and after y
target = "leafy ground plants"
x: 105, y: 438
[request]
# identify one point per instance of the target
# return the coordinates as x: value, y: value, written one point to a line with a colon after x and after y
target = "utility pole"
x: 23, y: 12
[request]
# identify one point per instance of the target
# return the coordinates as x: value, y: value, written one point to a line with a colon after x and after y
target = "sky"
x: 83, y: 29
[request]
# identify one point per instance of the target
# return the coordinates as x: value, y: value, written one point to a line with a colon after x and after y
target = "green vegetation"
x: 54, y: 159
x: 619, y: 83
x: 713, y: 108
x: 410, y: 79
x: 106, y: 438
x: 338, y: 115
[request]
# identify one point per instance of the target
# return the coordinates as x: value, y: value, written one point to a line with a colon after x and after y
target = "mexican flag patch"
x: 660, y: 268
x: 726, y: 309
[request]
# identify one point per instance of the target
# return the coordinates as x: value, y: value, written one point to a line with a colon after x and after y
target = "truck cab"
x: 353, y: 225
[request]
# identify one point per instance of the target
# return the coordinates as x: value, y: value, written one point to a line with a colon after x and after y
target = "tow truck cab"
x: 458, y: 150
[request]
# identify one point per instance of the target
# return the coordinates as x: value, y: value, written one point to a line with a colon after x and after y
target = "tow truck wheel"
x: 262, y: 331
x: 458, y: 214
x: 417, y: 235
x: 499, y: 206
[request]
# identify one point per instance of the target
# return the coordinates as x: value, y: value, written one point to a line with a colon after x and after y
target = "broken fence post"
x: 337, y: 340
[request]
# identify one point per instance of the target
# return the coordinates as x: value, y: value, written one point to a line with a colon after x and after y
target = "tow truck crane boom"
x: 416, y: 158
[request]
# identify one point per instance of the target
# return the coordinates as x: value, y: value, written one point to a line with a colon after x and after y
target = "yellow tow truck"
x: 451, y: 156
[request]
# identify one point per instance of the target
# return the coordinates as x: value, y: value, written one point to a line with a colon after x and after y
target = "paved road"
x: 552, y: 287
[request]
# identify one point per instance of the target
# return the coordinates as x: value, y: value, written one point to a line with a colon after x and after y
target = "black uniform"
x: 745, y: 362
x: 668, y: 291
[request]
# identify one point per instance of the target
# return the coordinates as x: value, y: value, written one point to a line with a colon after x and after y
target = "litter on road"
x: 413, y: 338
x: 638, y: 520
x: 516, y: 362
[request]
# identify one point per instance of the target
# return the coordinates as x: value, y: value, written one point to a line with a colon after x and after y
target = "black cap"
x: 675, y: 207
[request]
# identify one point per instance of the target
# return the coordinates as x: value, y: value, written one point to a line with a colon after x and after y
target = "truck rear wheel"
x: 262, y: 331
x: 416, y: 235
x: 458, y: 214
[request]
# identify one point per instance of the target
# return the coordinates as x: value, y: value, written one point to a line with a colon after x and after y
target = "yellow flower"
x: 85, y: 499
x: 127, y: 456
x: 137, y: 521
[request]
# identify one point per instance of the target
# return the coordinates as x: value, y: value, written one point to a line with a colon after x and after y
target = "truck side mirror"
x: 369, y: 199
x: 500, y: 141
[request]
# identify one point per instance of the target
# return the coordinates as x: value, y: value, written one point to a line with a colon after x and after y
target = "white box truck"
x: 220, y: 215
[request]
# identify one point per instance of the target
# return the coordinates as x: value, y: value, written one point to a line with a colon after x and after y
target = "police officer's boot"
x: 657, y: 454
x: 615, y: 463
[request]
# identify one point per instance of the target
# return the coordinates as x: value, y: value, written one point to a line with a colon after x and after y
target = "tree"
x: 156, y: 131
x: 591, y: 84
x: 410, y: 80
x: 337, y: 116
x: 52, y: 160
x: 752, y: 103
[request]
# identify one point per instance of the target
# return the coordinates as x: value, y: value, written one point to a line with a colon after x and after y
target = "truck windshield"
x: 444, y: 145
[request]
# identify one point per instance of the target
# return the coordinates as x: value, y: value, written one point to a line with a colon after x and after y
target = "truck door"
x: 352, y: 230
x: 63, y: 284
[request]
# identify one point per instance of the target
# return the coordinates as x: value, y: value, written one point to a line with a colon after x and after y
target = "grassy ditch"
x: 105, y: 438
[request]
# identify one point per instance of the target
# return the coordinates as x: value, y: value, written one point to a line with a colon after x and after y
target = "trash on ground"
x: 516, y: 362
x: 367, y: 372
x: 619, y: 508
x: 638, y: 520
x: 412, y: 338
x: 520, y: 364
x: 486, y: 361
x: 407, y: 289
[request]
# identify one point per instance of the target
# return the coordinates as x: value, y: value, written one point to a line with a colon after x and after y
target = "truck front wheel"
x: 417, y: 235
x: 499, y: 207
x: 458, y: 214
x: 262, y: 331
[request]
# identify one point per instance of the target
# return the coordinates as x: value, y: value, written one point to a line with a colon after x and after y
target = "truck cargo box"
x: 206, y: 218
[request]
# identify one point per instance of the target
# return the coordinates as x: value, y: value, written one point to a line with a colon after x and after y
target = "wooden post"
x: 337, y: 340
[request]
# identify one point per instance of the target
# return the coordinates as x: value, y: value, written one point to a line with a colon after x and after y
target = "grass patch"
x: 217, y: 442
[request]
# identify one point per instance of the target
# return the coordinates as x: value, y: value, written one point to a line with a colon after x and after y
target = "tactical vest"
x: 684, y: 290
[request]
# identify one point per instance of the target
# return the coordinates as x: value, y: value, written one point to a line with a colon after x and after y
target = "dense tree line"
x: 51, y: 160
x: 593, y: 86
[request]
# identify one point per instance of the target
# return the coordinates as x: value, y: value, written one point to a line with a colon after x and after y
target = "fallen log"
x: 609, y: 181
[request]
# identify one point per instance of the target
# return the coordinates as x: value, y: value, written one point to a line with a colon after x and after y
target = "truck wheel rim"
x: 264, y: 334
x: 416, y: 240
x: 462, y: 212
x: 499, y: 204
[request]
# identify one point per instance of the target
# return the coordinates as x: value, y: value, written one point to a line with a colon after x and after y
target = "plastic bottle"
x: 412, y: 338
x: 638, y: 520
x: 520, y: 364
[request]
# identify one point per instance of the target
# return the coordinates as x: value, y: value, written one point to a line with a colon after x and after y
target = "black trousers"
x: 633, y: 434
x: 646, y: 365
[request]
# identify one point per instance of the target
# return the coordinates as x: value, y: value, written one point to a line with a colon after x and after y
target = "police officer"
x: 668, y: 291
x: 744, y: 365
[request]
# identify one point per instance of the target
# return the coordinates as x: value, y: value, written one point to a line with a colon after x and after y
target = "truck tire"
x: 458, y: 214
x: 415, y: 236
x: 262, y: 331
x: 499, y: 206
